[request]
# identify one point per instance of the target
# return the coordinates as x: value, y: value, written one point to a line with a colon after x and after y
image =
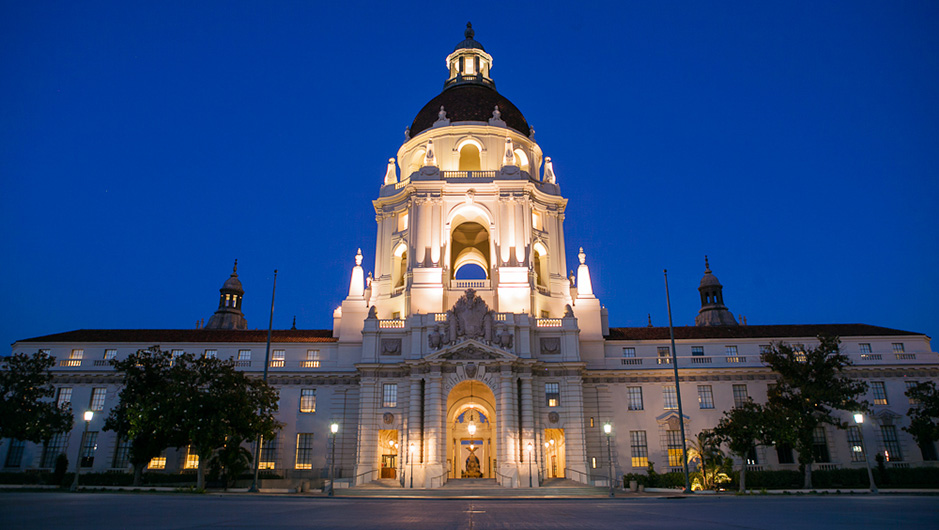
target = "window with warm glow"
x: 308, y: 400
x: 304, y: 451
x: 552, y: 394
x: 673, y: 442
x: 268, y: 458
x: 389, y: 395
x: 639, y: 448
x: 536, y: 221
x: 880, y: 392
x: 278, y: 358
x: 192, y: 459
x: 854, y: 441
x: 158, y: 462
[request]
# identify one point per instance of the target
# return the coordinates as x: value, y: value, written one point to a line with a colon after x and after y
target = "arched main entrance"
x: 471, y: 431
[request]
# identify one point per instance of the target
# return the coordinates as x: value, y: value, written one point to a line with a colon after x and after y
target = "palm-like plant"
x: 710, y: 465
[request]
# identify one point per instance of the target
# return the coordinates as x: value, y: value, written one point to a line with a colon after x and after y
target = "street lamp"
x: 608, y: 429
x: 530, y: 453
x: 333, y: 428
x: 859, y: 419
x: 411, y: 460
x: 547, y: 456
x: 81, y: 446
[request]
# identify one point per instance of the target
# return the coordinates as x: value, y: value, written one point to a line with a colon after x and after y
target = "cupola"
x: 713, y: 312
x: 229, y: 315
x: 469, y: 62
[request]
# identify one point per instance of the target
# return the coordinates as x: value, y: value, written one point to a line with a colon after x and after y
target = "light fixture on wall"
x: 472, y: 425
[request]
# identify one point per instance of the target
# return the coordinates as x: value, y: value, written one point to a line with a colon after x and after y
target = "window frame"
x: 705, y: 397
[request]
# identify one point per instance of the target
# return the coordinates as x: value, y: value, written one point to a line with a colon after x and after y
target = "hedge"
x: 841, y: 478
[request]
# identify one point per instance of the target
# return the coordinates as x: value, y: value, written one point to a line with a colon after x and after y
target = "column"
x: 508, y: 426
x: 366, y: 450
x: 432, y: 418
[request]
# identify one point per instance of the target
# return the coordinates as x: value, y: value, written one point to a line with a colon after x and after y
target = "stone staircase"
x: 475, y: 488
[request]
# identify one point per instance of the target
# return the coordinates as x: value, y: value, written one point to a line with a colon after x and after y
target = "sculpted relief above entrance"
x: 470, y: 318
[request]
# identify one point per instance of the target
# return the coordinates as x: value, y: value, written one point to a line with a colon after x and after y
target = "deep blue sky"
x: 143, y: 148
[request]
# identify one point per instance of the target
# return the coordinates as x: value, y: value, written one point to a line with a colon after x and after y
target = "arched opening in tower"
x: 469, y: 157
x: 469, y: 246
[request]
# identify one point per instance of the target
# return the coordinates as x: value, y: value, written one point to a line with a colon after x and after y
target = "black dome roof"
x: 469, y: 102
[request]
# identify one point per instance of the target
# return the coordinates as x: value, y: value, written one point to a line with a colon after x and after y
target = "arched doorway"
x: 471, y: 430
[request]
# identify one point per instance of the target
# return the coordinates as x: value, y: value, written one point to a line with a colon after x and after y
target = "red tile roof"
x: 161, y: 336
x: 753, y: 332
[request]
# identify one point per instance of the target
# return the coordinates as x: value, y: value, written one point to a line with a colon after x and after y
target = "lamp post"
x: 530, y: 453
x: 547, y: 456
x: 267, y: 361
x: 333, y: 428
x: 859, y: 419
x: 81, y: 446
x: 608, y: 429
x: 411, y: 460
x: 681, y: 414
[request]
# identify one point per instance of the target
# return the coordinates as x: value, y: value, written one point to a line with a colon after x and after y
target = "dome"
x: 469, y: 102
x: 233, y: 284
x: 709, y: 280
x: 469, y: 42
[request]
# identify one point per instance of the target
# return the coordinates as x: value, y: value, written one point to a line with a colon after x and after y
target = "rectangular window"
x: 635, y: 397
x: 304, y: 451
x: 244, y: 355
x: 268, y: 458
x: 176, y: 353
x: 880, y: 392
x: 671, y: 400
x: 312, y: 359
x: 64, y: 400
x: 552, y: 394
x: 121, y: 454
x: 799, y: 351
x: 820, y: 445
x: 854, y: 442
x: 891, y: 443
x: 665, y: 355
x: 389, y: 395
x: 909, y: 386
x: 109, y: 354
x: 640, y: 449
x: 730, y: 351
x: 211, y: 354
x: 673, y: 442
x: 784, y: 454
x: 97, y: 399
x: 765, y: 348
x: 88, y: 449
x: 15, y: 453
x: 77, y: 354
x: 705, y: 397
x: 308, y: 400
x: 593, y: 462
x: 158, y: 462
x: 278, y: 358
x: 74, y: 358
x: 192, y: 459
x: 740, y: 395
x: 753, y: 458
x: 865, y: 347
x: 629, y: 352
x: 898, y: 347
x: 697, y: 350
x: 52, y: 449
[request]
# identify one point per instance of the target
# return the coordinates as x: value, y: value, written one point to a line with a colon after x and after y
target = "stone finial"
x: 650, y: 319
x: 531, y: 133
x: 496, y: 114
x: 581, y: 256
x: 358, y: 258
x: 407, y: 133
x: 469, y: 33
x: 429, y: 159
x: 391, y: 174
x: 442, y: 115
x: 234, y: 269
x: 442, y: 119
x: 707, y: 266
x: 294, y: 325
x: 549, y: 176
x: 496, y: 119
x: 509, y: 153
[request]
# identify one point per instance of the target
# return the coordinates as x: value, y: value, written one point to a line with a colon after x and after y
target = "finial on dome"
x: 469, y: 33
x: 496, y: 114
x: 234, y: 270
x: 442, y: 115
x: 391, y: 173
x: 358, y: 257
x: 581, y: 256
x: 294, y: 325
x: 650, y: 319
x: 707, y: 267
x: 549, y: 175
x: 429, y: 159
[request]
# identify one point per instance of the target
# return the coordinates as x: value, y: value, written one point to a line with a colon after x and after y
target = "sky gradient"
x: 144, y: 148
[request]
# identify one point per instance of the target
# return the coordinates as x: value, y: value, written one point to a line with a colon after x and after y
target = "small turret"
x: 229, y: 315
x: 713, y: 312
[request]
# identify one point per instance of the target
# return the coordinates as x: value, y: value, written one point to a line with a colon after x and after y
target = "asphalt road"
x: 101, y: 511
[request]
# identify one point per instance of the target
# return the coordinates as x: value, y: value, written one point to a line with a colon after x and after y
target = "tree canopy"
x: 742, y: 429
x: 25, y: 408
x: 924, y: 416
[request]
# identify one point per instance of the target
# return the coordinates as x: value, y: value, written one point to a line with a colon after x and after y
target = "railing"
x: 277, y: 363
x: 735, y: 359
x: 355, y: 481
x: 543, y: 290
x: 439, y: 477
x: 393, y: 323
x: 102, y: 362
x: 397, y: 290
x: 754, y: 468
x: 664, y: 360
x: 871, y: 357
x: 905, y: 356
x: 632, y: 361
x: 309, y: 364
x: 468, y: 174
x: 548, y: 322
x: 403, y: 183
x: 582, y: 477
x: 700, y: 360
x: 469, y: 284
x: 243, y: 363
x: 827, y: 467
x: 70, y: 362
x: 440, y: 317
x: 900, y: 465
x: 504, y: 478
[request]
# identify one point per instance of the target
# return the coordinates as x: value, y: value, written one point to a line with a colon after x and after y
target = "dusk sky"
x: 145, y: 147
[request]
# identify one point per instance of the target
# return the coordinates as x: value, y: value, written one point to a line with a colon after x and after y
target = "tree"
x: 220, y: 407
x: 705, y: 453
x: 25, y: 386
x: 811, y: 388
x: 145, y: 414
x: 923, y: 417
x: 742, y: 429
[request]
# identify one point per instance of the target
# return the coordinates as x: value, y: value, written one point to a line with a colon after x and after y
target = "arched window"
x: 399, y: 265
x: 539, y: 264
x: 469, y: 245
x: 417, y: 161
x: 469, y: 157
x: 521, y: 160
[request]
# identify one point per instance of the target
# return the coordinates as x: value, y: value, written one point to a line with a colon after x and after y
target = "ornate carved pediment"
x: 470, y: 350
x: 470, y: 319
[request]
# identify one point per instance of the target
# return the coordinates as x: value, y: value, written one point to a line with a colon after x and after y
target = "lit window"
x: 898, y: 347
x: 308, y: 400
x: 176, y: 354
x: 192, y: 459
x: 740, y: 395
x: 64, y: 400
x: 799, y: 351
x: 552, y: 394
x: 640, y: 449
x: 891, y: 444
x: 593, y: 462
x: 629, y: 352
x: 304, y: 451
x: 865, y: 347
x: 211, y: 354
x: 109, y: 354
x: 312, y: 359
x: 705, y: 397
x: 403, y: 220
x: 670, y: 398
x: 665, y: 355
x: 244, y: 355
x: 697, y: 350
x: 74, y: 358
x: 880, y: 392
x: 854, y: 441
x: 97, y: 399
x: 536, y: 221
x: 268, y: 458
x: 389, y: 395
x: 635, y: 397
x: 673, y: 442
x: 752, y: 458
x: 730, y: 351
x: 591, y: 421
x: 158, y: 462
x: 277, y: 358
x: 89, y: 445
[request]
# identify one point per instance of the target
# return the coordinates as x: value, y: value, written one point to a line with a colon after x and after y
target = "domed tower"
x: 229, y: 315
x: 471, y: 208
x: 713, y: 312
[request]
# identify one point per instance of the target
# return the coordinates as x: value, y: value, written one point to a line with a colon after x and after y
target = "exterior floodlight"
x: 858, y: 418
x: 334, y: 428
x: 530, y: 458
x: 607, y: 428
x: 529, y: 447
x: 89, y: 415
